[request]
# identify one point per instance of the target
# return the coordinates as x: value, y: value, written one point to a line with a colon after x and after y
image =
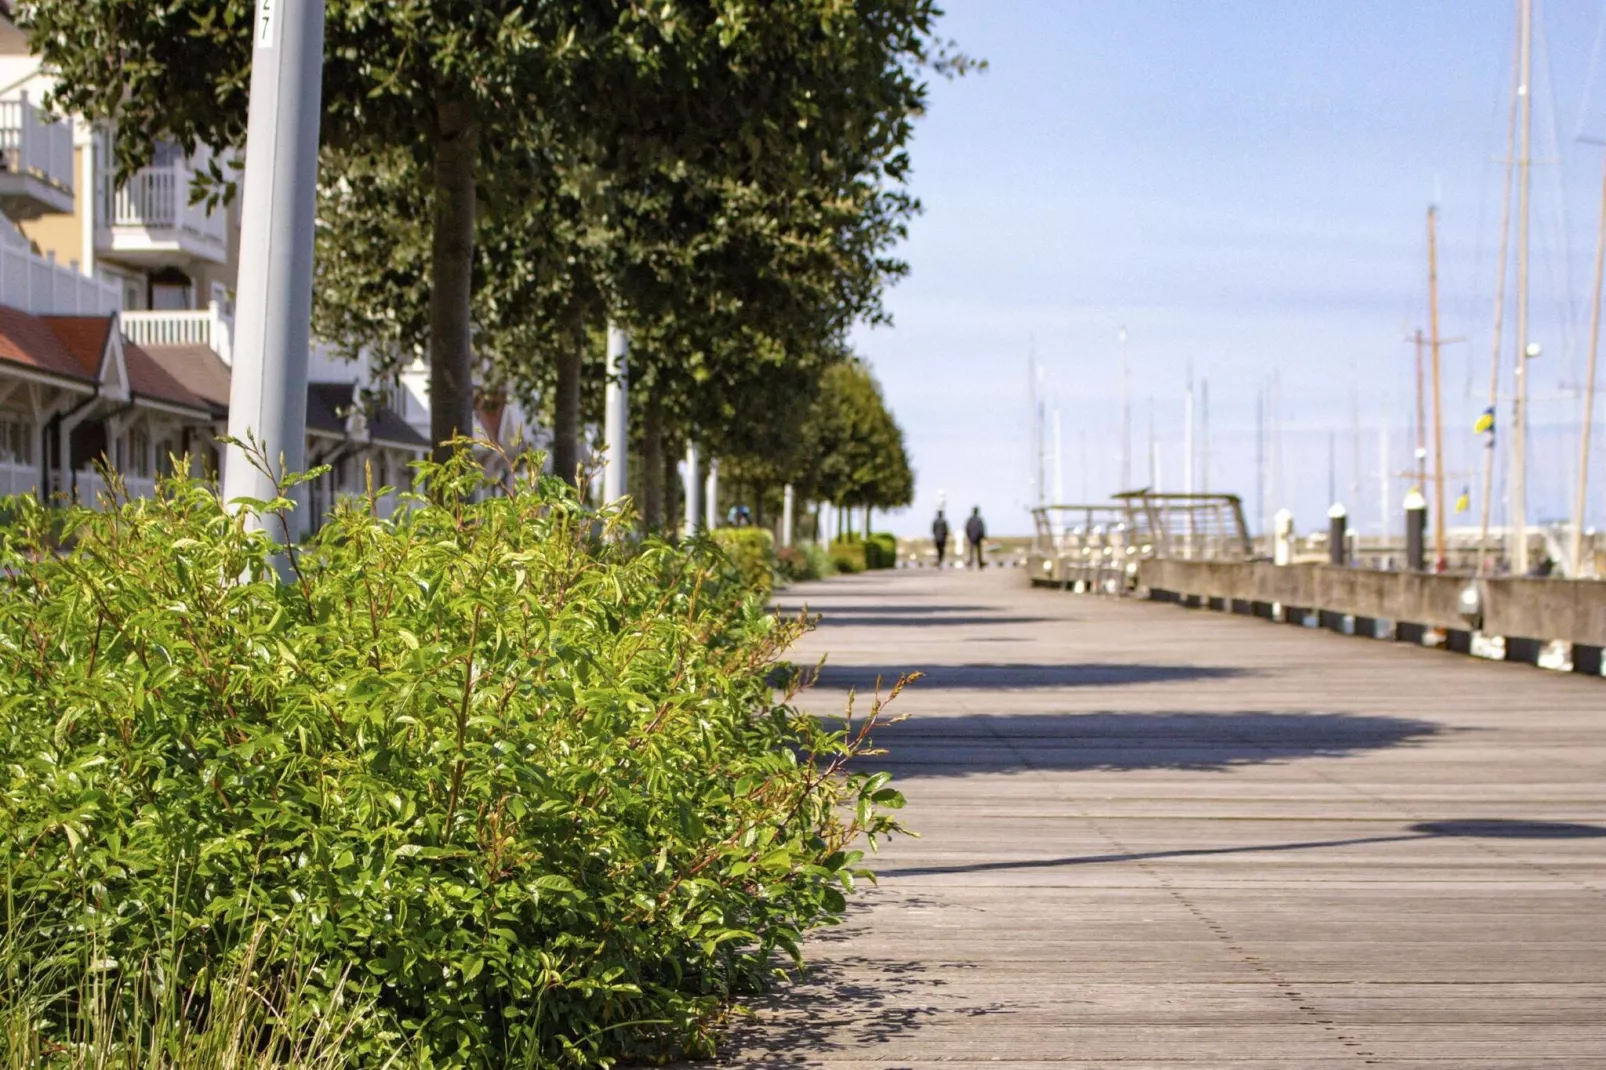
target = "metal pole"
x: 1519, y: 414
x: 1337, y: 533
x: 711, y: 496
x: 616, y: 416
x: 1126, y: 417
x: 694, y: 487
x: 1416, y: 529
x: 1386, y: 505
x: 1487, y: 505
x: 1440, y: 562
x: 1575, y: 555
x: 1421, y: 418
x: 788, y: 503
x: 268, y: 393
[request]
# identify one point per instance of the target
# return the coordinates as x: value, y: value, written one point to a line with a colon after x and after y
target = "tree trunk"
x: 674, y: 513
x: 566, y: 404
x: 451, y: 357
x: 652, y: 461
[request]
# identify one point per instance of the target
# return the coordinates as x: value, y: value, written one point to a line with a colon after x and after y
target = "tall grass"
x: 65, y: 1014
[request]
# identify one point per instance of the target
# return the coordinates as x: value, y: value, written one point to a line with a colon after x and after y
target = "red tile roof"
x: 32, y: 342
x: 85, y: 338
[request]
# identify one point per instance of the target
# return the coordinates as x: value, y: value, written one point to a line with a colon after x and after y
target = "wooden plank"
x: 1152, y: 838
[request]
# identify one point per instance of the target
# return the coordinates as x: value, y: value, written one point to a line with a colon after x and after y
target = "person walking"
x: 939, y: 536
x: 975, y: 533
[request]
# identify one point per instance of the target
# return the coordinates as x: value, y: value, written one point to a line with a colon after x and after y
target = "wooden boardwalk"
x: 1153, y: 837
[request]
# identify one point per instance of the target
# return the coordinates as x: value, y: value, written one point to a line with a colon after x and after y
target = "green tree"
x: 852, y: 452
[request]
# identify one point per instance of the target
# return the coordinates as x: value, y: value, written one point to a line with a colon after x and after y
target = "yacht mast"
x: 1519, y: 412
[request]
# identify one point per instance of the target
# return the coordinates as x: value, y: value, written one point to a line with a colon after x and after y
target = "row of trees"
x: 725, y: 179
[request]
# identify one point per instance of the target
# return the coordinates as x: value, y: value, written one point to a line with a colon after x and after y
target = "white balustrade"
x: 33, y: 143
x: 43, y: 287
x: 18, y: 478
x: 206, y: 327
x: 158, y: 198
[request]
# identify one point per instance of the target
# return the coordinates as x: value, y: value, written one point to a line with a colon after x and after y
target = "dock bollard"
x: 1282, y: 539
x: 1337, y: 535
x: 1416, y: 531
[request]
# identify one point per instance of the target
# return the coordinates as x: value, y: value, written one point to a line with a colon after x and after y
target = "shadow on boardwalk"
x: 958, y: 745
x: 1016, y: 676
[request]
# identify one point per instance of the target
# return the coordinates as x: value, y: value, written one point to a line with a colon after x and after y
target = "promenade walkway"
x: 1152, y: 837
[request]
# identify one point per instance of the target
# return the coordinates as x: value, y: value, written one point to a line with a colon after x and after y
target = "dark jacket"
x: 939, y: 530
x: 975, y: 529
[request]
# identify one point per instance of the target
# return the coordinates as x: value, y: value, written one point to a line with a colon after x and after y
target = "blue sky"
x: 1242, y: 185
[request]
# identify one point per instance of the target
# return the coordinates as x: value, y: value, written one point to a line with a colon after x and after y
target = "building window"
x: 16, y: 440
x: 139, y: 448
x: 165, y: 449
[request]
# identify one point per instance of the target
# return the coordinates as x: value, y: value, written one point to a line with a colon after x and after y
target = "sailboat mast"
x: 1421, y: 420
x: 1126, y: 416
x: 1575, y: 556
x: 1487, y: 503
x: 1440, y: 561
x: 1519, y: 413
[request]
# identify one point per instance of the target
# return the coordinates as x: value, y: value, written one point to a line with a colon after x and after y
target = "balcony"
x: 36, y: 161
x: 149, y: 222
x: 207, y: 327
x: 40, y: 285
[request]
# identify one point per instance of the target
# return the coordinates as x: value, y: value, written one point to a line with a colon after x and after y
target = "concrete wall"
x: 1541, y: 609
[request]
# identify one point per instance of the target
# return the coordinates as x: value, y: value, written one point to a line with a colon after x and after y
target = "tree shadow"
x: 911, y: 610
x: 1493, y: 828
x: 831, y: 618
x: 965, y: 744
x: 839, y: 1004
x: 1015, y: 676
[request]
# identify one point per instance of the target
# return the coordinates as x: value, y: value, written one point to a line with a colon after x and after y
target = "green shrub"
x: 848, y: 555
x: 523, y: 788
x: 819, y: 558
x: 792, y: 564
x: 752, y: 551
x: 881, y: 550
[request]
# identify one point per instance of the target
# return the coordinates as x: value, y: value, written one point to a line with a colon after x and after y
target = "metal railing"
x: 1100, y: 547
x: 1193, y: 527
x: 34, y: 143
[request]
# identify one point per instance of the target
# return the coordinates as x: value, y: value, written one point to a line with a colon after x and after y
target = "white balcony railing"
x: 43, y: 287
x: 158, y: 198
x: 31, y: 143
x: 206, y: 327
x: 18, y: 478
x: 94, y: 492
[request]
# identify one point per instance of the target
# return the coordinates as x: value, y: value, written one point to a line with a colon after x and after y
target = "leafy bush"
x: 881, y: 550
x: 792, y: 564
x: 848, y: 555
x: 752, y: 551
x: 524, y: 787
x: 819, y: 558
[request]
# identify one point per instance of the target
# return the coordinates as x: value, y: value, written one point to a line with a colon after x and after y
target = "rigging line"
x: 1565, y: 298
x: 1589, y: 79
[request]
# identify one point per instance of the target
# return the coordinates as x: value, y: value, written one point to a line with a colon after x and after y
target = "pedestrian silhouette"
x: 975, y: 532
x: 939, y: 536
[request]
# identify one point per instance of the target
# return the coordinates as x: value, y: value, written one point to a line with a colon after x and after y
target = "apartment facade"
x: 116, y: 323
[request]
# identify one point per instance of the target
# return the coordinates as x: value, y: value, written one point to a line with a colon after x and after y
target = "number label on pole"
x: 267, y: 10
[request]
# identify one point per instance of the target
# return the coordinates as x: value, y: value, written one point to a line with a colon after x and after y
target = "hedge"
x: 752, y: 550
x: 522, y: 790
